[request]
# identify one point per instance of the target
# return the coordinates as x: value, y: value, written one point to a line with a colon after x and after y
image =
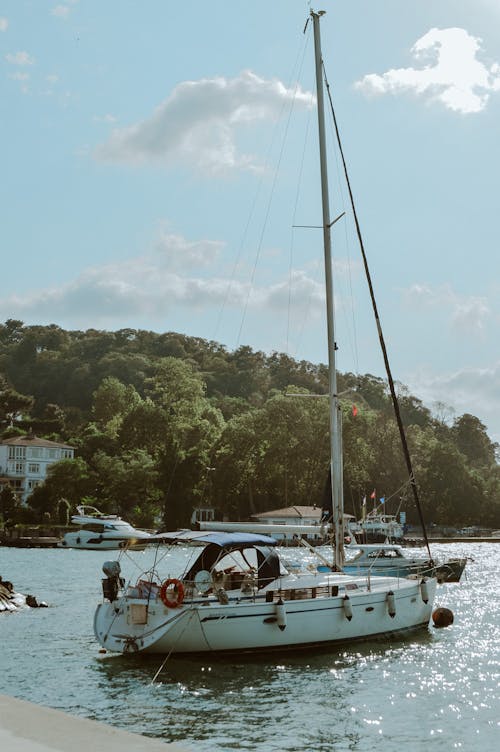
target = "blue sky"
x: 156, y: 156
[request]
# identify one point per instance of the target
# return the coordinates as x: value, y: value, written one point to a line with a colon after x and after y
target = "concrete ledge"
x: 25, y: 727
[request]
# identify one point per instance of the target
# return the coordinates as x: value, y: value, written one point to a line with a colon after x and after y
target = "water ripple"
x: 439, y: 689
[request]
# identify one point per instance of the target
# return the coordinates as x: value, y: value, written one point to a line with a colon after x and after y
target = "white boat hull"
x: 93, y: 542
x: 207, y: 626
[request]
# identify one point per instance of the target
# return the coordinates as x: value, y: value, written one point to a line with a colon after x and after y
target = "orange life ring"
x: 178, y: 590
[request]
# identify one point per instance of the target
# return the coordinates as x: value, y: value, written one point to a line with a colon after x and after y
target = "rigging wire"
x: 392, y: 388
x: 290, y: 275
x: 271, y: 196
x: 343, y: 205
x: 253, y: 206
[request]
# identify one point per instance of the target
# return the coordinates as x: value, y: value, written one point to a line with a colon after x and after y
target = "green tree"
x: 112, y: 402
x: 9, y: 506
x: 67, y: 479
x: 472, y: 440
x: 192, y: 426
x: 128, y: 484
x: 12, y: 404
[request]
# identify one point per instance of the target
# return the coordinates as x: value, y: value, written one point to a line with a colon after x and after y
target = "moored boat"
x: 237, y: 596
x: 102, y: 532
x: 390, y: 560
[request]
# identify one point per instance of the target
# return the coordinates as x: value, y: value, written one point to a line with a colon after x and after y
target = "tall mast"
x: 335, y: 417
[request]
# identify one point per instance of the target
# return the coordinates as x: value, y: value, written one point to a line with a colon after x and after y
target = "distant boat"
x: 390, y: 560
x: 102, y: 532
x: 235, y: 594
x: 378, y: 528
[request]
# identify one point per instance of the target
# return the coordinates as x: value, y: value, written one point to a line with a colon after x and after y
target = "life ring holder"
x: 179, y: 593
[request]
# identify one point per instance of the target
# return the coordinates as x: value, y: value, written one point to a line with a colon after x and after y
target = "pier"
x: 25, y: 727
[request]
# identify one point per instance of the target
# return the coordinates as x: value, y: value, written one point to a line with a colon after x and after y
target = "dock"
x: 26, y: 727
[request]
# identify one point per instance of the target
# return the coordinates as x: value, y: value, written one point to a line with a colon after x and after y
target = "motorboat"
x: 390, y: 560
x: 378, y: 528
x: 102, y: 532
x: 236, y: 595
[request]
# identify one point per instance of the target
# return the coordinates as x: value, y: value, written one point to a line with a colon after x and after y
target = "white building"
x: 24, y: 461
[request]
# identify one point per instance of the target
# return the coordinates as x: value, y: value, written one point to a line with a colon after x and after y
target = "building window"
x: 17, y: 453
x: 36, y: 452
x: 33, y: 484
x: 52, y: 454
x: 19, y: 469
x: 67, y: 454
x: 34, y: 467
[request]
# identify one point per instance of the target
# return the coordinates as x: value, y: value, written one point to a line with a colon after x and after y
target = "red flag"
x: 354, y: 410
x: 373, y: 495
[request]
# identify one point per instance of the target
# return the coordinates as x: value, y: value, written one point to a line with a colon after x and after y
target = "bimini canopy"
x: 224, y: 540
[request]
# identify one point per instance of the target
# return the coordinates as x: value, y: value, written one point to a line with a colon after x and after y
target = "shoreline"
x: 49, y: 542
x: 26, y: 727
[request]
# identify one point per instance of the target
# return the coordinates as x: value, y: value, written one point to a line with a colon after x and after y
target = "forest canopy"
x: 164, y: 423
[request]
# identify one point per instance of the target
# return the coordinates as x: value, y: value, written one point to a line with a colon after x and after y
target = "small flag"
x: 354, y: 410
x: 364, y: 501
x: 372, y: 495
x: 382, y: 499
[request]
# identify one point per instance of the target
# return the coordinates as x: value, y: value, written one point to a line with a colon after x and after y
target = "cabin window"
x: 93, y: 527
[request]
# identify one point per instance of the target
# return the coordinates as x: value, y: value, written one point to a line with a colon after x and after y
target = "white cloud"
x: 467, y: 314
x: 307, y: 294
x: 197, y: 124
x: 52, y: 78
x: 61, y: 11
x: 18, y: 76
x: 178, y: 253
x: 451, y: 72
x: 19, y: 58
x: 104, y: 118
x: 178, y: 273
x: 471, y: 390
x: 64, y: 9
x: 4, y: 23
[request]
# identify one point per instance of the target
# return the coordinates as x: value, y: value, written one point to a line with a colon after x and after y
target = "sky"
x: 160, y: 171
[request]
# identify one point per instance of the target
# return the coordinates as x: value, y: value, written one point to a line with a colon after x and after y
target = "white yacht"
x: 104, y: 532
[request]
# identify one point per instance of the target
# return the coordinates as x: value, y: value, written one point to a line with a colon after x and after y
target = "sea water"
x: 438, y: 689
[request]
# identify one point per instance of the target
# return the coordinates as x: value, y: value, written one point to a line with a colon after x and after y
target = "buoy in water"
x: 442, y: 617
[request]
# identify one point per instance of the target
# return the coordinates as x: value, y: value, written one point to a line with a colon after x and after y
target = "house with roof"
x: 24, y: 461
x: 297, y: 515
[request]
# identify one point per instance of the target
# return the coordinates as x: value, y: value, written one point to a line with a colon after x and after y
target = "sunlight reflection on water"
x: 437, y: 688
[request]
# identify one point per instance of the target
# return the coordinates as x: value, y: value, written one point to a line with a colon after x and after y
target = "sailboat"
x: 235, y: 594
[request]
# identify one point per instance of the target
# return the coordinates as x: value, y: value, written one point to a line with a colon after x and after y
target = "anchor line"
x: 191, y: 613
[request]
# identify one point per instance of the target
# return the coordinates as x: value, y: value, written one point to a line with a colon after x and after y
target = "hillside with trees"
x: 164, y: 423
